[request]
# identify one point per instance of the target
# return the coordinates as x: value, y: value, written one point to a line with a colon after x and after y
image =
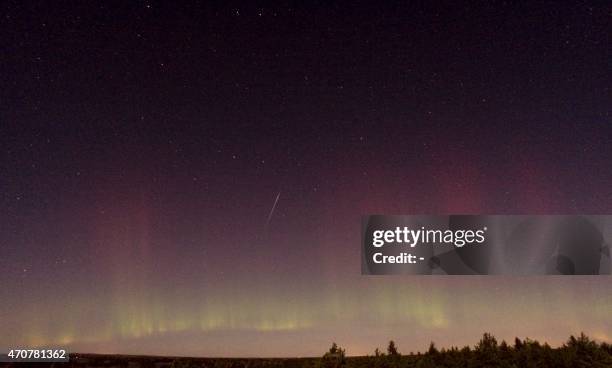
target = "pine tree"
x: 334, y: 358
x: 392, y: 349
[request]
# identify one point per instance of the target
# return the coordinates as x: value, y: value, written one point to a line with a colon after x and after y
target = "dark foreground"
x: 575, y: 353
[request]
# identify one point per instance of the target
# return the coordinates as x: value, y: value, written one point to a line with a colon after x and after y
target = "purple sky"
x: 143, y: 147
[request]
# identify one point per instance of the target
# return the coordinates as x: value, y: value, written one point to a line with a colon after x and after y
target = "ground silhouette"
x: 577, y: 352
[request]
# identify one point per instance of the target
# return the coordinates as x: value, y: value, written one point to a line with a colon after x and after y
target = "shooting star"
x: 272, y: 210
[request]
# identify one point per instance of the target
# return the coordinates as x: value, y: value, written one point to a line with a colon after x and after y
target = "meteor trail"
x: 272, y: 210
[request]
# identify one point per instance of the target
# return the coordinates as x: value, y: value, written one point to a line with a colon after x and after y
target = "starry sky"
x: 190, y: 179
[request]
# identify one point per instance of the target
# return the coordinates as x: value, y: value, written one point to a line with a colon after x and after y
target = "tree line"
x: 576, y: 352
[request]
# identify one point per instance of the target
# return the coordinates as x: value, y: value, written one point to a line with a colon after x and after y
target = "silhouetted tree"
x: 518, y: 344
x: 392, y: 349
x: 432, y: 349
x: 584, y: 352
x: 577, y: 352
x: 334, y: 358
x: 485, y: 352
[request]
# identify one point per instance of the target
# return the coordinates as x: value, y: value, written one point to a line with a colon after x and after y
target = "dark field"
x: 577, y: 352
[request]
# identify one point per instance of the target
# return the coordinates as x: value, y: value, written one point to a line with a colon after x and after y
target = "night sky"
x: 189, y: 180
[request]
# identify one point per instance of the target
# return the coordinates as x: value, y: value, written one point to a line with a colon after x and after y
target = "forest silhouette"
x: 576, y: 352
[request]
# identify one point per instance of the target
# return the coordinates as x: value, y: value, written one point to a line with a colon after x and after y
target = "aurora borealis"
x: 189, y: 180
